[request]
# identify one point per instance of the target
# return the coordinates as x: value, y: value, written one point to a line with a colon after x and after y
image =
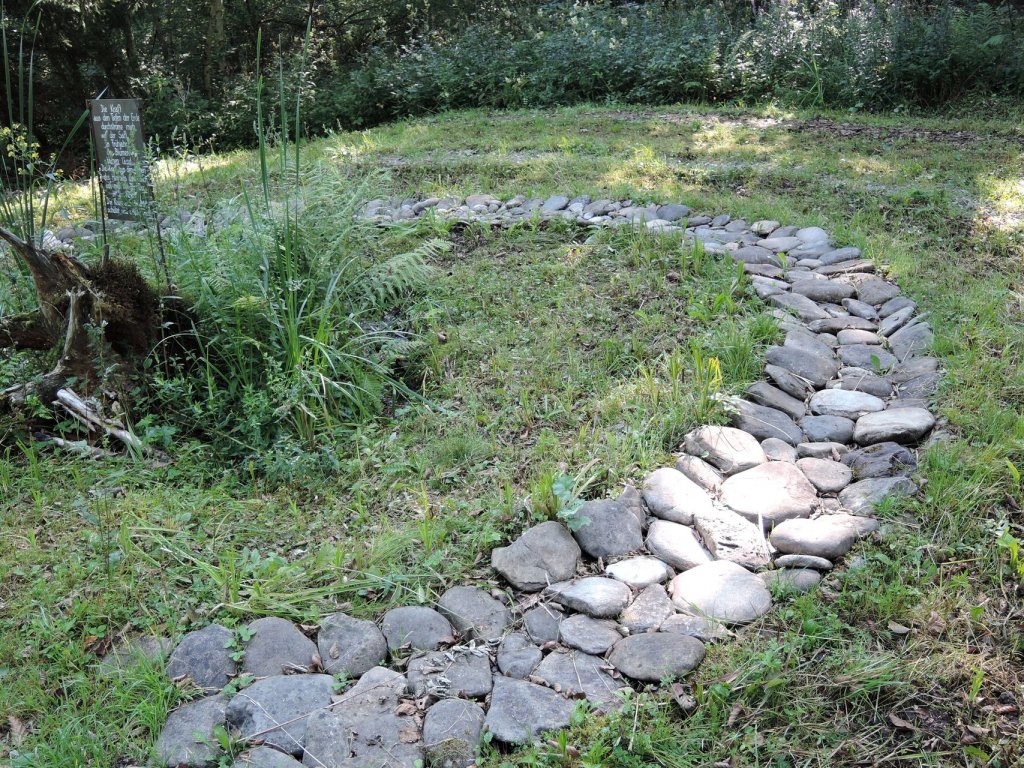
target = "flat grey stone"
x: 699, y: 471
x: 822, y: 450
x: 853, y: 336
x: 861, y: 497
x: 839, y: 255
x: 593, y: 595
x: 572, y: 673
x: 451, y: 733
x: 911, y: 340
x: 187, y: 738
x: 517, y: 656
x: 780, y: 244
x: 827, y: 475
x: 869, y: 356
x: 779, y: 450
x: 766, y: 286
x: 672, y: 496
x: 817, y: 369
x: 639, y: 572
x: 846, y: 403
x: 803, y: 561
x: 673, y: 212
x: 130, y: 653
x: 542, y: 623
x: 543, y: 555
x: 827, y: 429
x: 205, y: 657
x: 721, y: 590
x: 813, y: 343
x: 763, y: 422
x: 895, y: 321
x: 594, y: 636
x: 734, y: 538
x: 730, y: 450
x: 655, y: 656
x: 812, y: 235
x: 841, y: 323
x: 846, y: 267
x: 863, y: 380
x: 265, y: 757
x: 474, y: 613
x: 555, y: 203
x: 458, y: 673
x: 880, y: 460
x: 770, y: 493
x: 521, y: 711
x: 647, y: 611
x: 755, y: 254
x: 276, y: 646
x: 803, y: 307
x: 796, y: 386
x: 877, y: 292
x: 703, y: 628
x: 275, y: 709
x: 676, y: 545
x: 823, y: 290
x: 860, y: 309
x: 765, y: 394
x: 917, y: 378
x: 609, y: 529
x: 416, y: 627
x: 348, y: 646
x: 895, y: 305
x: 797, y: 580
x: 897, y: 425
x: 821, y: 537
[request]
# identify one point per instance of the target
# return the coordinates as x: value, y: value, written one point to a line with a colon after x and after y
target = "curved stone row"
x: 635, y: 587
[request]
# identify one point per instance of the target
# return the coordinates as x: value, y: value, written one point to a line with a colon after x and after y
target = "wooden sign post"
x: 125, y: 183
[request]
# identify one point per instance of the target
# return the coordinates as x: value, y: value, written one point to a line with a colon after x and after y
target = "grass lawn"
x: 548, y: 356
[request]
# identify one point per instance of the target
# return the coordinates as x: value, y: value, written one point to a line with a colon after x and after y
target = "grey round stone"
x: 703, y: 628
x: 854, y: 336
x: 869, y: 356
x: 676, y: 545
x: 765, y: 394
x: 517, y: 656
x: 542, y: 623
x: 877, y: 292
x: 450, y: 674
x: 572, y: 673
x: 821, y: 537
x: 804, y: 308
x: 823, y: 290
x: 417, y: 627
x: 845, y: 403
x: 593, y: 595
x: 274, y: 708
x: 793, y: 385
x: 451, y: 733
x: 815, y: 368
x: 826, y: 475
x: 521, y: 711
x: 543, y: 555
x: 779, y: 450
x: 863, y: 380
x: 880, y: 460
x: 655, y: 656
x: 594, y: 636
x: 861, y: 497
x: 350, y: 646
x: 205, y: 657
x: 770, y: 493
x: 897, y: 425
x: 911, y: 340
x: 730, y: 450
x: 639, y: 572
x: 803, y: 561
x: 699, y: 471
x: 763, y: 422
x: 609, y: 529
x: 474, y: 613
x: 265, y: 757
x: 672, y: 496
x: 721, y: 590
x: 187, y: 738
x: 791, y: 579
x: 276, y: 646
x: 647, y: 611
x: 827, y: 429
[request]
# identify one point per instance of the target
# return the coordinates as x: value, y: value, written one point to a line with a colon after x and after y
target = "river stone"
x: 779, y: 450
x: 897, y: 425
x: 763, y: 422
x: 869, y: 356
x: 917, y: 378
x: 451, y: 733
x: 827, y: 429
x: 672, y: 496
x: 803, y: 307
x: 812, y: 343
x: 129, y: 653
x: 589, y: 635
x: 860, y: 309
x: 609, y: 529
x: 812, y: 235
x: 780, y: 244
x: 839, y: 255
x: 204, y: 656
x: 647, y: 611
x: 861, y: 497
x: 721, y: 590
x: 880, y: 460
x: 450, y: 674
x: 572, y: 673
x: 517, y: 656
x: 846, y: 267
x: 633, y: 500
x: 794, y: 386
x: 593, y: 595
x: 474, y: 613
x: 673, y: 212
x: 730, y: 450
x: 863, y: 380
x: 264, y: 757
x: 275, y: 708
x: 521, y: 711
x: 276, y: 646
x: 822, y: 450
x: 771, y: 492
x: 895, y: 305
x: 655, y: 656
x: 876, y: 292
x: 823, y: 290
x: 703, y: 628
x: 416, y: 626
x: 699, y: 471
x: 543, y: 555
x: 911, y: 340
x: 639, y: 572
x: 542, y: 623
x: 765, y: 394
x: 817, y: 369
x: 798, y: 580
x: 348, y: 646
x: 861, y: 526
x: 755, y: 254
x: 187, y: 738
x: 555, y: 203
x: 765, y: 286
x: 826, y: 475
x: 821, y: 537
x: 676, y: 544
x: 764, y: 227
x: 841, y: 323
x: 895, y: 321
x: 845, y: 403
x: 732, y: 537
x: 803, y: 561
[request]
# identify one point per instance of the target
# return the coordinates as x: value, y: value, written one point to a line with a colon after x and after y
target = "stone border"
x: 775, y: 499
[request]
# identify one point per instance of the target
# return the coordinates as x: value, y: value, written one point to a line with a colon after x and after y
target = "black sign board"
x: 121, y: 156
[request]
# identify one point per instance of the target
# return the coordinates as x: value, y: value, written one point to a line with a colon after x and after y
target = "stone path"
x: 632, y: 594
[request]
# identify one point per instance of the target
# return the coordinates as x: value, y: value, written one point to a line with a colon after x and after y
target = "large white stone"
x: 846, y: 403
x: 721, y: 590
x: 676, y: 544
x: 731, y: 450
x: 770, y: 493
x: 673, y: 496
x: 898, y: 425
